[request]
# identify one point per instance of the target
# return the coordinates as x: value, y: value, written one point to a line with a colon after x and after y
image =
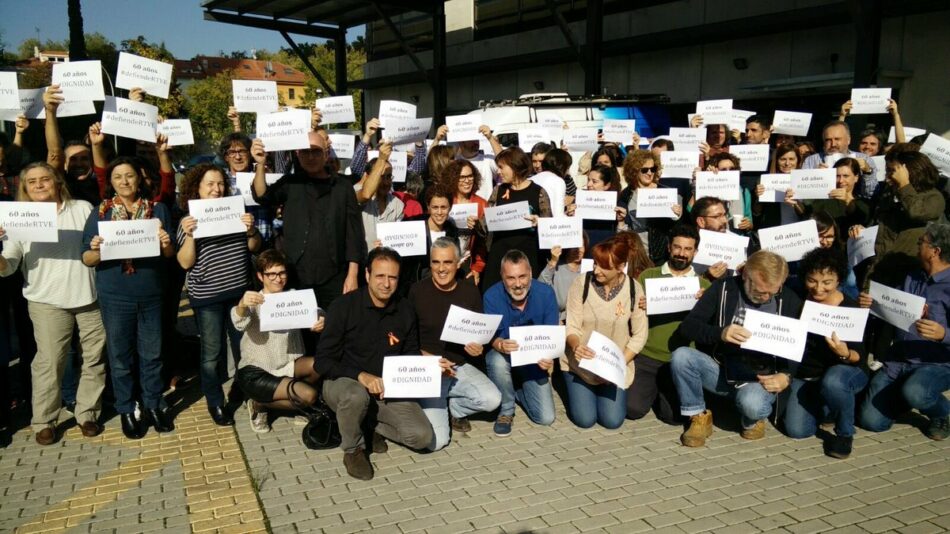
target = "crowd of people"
x: 316, y: 228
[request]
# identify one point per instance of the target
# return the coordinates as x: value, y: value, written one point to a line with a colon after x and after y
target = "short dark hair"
x: 762, y: 120
x: 382, y: 254
x: 612, y: 153
x: 702, y: 205
x: 685, y: 230
x: 514, y: 256
x: 608, y: 175
x: 663, y: 143
x: 923, y: 175
x: 233, y: 137
x: 516, y: 160
x: 881, y: 138
x: 825, y: 259
x: 557, y: 161
x: 269, y: 258
x: 832, y: 124
x: 541, y: 148
x: 939, y: 234
x: 439, y: 190
x: 723, y: 156
x: 144, y: 191
x: 824, y: 222
x: 850, y: 163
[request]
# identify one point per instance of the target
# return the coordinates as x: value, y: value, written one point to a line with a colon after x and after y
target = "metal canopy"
x: 319, y: 15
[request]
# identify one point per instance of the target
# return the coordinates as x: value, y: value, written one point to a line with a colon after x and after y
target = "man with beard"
x: 652, y: 383
x: 75, y: 159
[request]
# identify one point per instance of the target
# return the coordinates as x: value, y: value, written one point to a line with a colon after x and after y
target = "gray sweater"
x: 561, y: 280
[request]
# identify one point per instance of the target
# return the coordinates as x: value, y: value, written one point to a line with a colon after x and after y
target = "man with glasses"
x: 718, y: 364
x: 709, y: 213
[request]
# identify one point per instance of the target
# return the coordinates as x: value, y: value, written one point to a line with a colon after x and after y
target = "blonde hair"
x: 772, y: 267
x: 62, y: 192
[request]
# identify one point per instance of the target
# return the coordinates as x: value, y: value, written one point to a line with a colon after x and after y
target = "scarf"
x: 114, y: 210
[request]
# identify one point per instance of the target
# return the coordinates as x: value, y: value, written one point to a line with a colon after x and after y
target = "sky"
x: 179, y: 23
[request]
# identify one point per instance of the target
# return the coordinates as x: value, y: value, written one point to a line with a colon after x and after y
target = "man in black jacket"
x: 718, y: 364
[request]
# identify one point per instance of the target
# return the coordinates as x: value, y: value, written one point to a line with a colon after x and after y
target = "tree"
x: 173, y: 106
x: 207, y: 104
x: 77, y: 39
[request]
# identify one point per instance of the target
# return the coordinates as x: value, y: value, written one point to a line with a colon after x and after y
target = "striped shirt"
x: 221, y: 269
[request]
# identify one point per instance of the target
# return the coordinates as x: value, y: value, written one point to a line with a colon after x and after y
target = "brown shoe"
x: 47, y: 436
x: 379, y: 444
x: 700, y: 428
x: 757, y: 431
x: 460, y: 424
x: 90, y: 429
x: 357, y: 464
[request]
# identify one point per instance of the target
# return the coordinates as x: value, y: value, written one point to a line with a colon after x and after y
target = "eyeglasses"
x: 241, y: 152
x: 647, y: 170
x: 716, y: 216
x: 466, y: 178
x: 274, y: 275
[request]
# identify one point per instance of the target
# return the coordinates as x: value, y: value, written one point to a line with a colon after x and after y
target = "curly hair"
x: 820, y: 260
x: 192, y: 180
x: 439, y: 191
x: 450, y: 178
x: 634, y: 162
x: 723, y: 156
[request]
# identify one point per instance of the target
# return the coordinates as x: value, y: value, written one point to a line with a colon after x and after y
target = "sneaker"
x: 503, y: 425
x: 757, y: 431
x: 258, y: 418
x: 460, y: 424
x: 938, y: 429
x: 357, y: 465
x: 839, y: 447
x: 379, y: 444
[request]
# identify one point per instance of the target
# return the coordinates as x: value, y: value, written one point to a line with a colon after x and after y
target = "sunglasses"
x: 647, y: 170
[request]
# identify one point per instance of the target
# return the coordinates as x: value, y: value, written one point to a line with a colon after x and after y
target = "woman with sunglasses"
x: 642, y: 169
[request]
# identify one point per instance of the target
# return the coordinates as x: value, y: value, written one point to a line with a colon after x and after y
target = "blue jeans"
x: 216, y: 329
x: 529, y: 385
x: 918, y: 386
x: 469, y: 392
x: 694, y: 371
x: 832, y: 395
x: 604, y: 403
x: 134, y: 328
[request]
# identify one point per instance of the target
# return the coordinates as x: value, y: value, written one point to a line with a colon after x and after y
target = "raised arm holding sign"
x: 79, y: 80
x: 284, y: 130
x: 153, y: 76
x: 336, y: 109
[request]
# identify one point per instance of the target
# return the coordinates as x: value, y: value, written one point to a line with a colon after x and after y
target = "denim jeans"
x: 134, y: 328
x: 587, y: 404
x: 919, y: 386
x: 469, y: 392
x: 529, y: 385
x: 71, y: 372
x: 216, y: 329
x: 695, y: 371
x: 833, y: 395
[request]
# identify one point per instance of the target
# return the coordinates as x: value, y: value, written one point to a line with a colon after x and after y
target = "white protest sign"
x: 880, y: 168
x: 580, y: 139
x: 288, y: 310
x: 550, y: 120
x: 508, y: 216
x: 709, y: 107
x: 464, y: 326
x: 847, y: 323
x: 587, y: 265
x: 284, y: 130
x: 126, y: 118
x: 596, y: 205
x: 537, y: 343
x: 79, y: 80
x: 775, y: 187
x: 687, y: 139
x: 31, y: 105
x: 671, y: 294
x: 564, y: 232
x: 217, y: 216
x: 619, y: 131
x: 897, y: 307
x: 9, y: 91
x: 394, y: 109
x: 242, y: 185
x: 737, y: 121
x: 343, y: 145
x: 869, y: 101
x: 813, y: 184
x: 679, y: 163
x: 336, y: 109
x: 790, y: 241
x: 529, y: 137
x: 461, y: 212
x: 723, y: 185
x: 463, y: 127
x: 407, y: 130
x: 408, y: 238
x: 656, y: 202
x: 399, y: 162
x: 938, y: 150
x: 155, y: 77
x: 178, y: 131
x: 776, y: 335
x: 909, y: 133
x: 125, y: 240
x: 71, y: 107
x: 752, y: 158
x: 33, y: 222
x: 256, y: 96
x: 715, y: 247
x: 862, y: 248
x: 608, y: 362
x: 411, y: 377
x: 791, y: 123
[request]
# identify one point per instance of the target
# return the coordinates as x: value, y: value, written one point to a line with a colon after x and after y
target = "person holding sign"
x: 61, y: 295
x: 642, y: 170
x: 73, y: 157
x: 842, y: 204
x: 837, y: 138
x: 832, y: 371
x: 465, y: 389
x: 363, y: 327
x: 601, y: 178
x: 916, y: 372
x: 273, y: 371
x: 561, y: 276
x: 463, y: 179
x: 381, y: 205
x: 438, y: 225
x: 520, y: 303
x: 709, y: 213
x: 217, y: 277
x: 718, y: 364
x: 235, y: 150
x: 605, y: 301
x: 130, y: 296
x: 784, y: 160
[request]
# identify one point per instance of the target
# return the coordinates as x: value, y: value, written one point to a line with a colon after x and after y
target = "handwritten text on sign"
x: 723, y: 185
x: 217, y: 216
x: 125, y: 240
x: 508, y: 216
x: 463, y: 326
x: 897, y: 307
x: 791, y: 241
x: 813, y: 184
x: 285, y: 130
x: 288, y: 310
x: 408, y: 238
x: 336, y: 109
x: 717, y: 246
x: 609, y: 362
x: 126, y: 118
x: 656, y: 202
x: 153, y: 76
x: 776, y: 335
x: 847, y: 323
x: 29, y: 221
x: 79, y: 80
x: 596, y: 205
x: 411, y: 377
x: 564, y: 232
x: 672, y: 294
x: 537, y: 343
x: 255, y: 96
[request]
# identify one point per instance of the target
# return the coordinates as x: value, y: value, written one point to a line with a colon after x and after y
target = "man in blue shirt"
x: 520, y: 303
x: 916, y: 372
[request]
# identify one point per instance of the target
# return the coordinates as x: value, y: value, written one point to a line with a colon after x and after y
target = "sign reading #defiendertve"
x: 412, y: 377
x: 752, y: 158
x: 125, y: 240
x: 284, y: 130
x: 543, y: 342
x: 791, y: 123
x: 687, y: 139
x: 217, y: 216
x: 79, y: 80
x: 564, y: 232
x: 336, y: 109
x: 408, y: 238
x: 679, y: 164
x: 596, y: 205
x: 29, y: 221
x: 9, y: 91
x: 862, y: 247
x: 671, y: 294
x: 394, y: 109
x: 508, y: 216
x: 155, y: 77
x: 400, y: 131
x: 723, y: 185
x: 463, y: 326
x: 656, y: 202
x: 609, y: 362
x: 288, y: 310
x: 243, y: 182
x: 127, y: 118
x: 775, y: 187
x: 790, y: 241
x: 256, y: 96
x: 619, y: 131
x: 897, y: 307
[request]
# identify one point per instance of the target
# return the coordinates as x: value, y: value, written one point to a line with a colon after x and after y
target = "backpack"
x: 633, y: 296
